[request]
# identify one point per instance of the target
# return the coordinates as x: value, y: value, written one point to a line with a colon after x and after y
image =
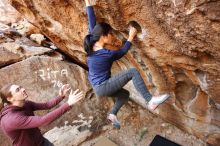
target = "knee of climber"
x: 134, y: 71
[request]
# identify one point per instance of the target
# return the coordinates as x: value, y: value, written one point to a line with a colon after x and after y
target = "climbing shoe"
x: 156, y: 101
x: 113, y: 119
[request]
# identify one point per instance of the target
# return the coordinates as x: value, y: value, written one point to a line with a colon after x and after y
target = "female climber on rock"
x: 100, y: 61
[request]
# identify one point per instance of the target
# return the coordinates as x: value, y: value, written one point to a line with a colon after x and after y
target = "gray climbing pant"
x: 113, y: 87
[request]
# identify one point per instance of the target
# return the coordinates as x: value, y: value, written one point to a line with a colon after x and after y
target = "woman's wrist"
x: 130, y: 39
x: 88, y: 3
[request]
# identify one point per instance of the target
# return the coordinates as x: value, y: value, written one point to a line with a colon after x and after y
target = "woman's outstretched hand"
x: 74, y: 97
x: 90, y: 2
x: 132, y: 33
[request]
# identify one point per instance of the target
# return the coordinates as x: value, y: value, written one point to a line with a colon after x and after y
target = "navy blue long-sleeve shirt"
x: 100, y: 62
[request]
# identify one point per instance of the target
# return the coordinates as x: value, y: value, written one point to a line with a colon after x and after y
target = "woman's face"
x: 108, y: 39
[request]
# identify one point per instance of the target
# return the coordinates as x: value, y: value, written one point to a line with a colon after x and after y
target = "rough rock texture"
x: 177, y: 50
x: 8, y: 14
x: 71, y: 135
x: 25, y: 28
x: 14, y: 47
x: 139, y: 127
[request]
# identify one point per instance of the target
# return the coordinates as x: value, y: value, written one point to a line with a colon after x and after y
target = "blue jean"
x: 113, y: 87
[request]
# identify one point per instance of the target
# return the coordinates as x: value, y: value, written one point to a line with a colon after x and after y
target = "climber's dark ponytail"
x: 88, y: 44
x: 101, y: 29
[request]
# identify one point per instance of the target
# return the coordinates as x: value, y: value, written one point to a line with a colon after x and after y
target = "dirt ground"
x: 138, y: 128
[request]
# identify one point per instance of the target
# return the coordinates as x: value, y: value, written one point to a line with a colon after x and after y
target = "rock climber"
x: 100, y: 60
